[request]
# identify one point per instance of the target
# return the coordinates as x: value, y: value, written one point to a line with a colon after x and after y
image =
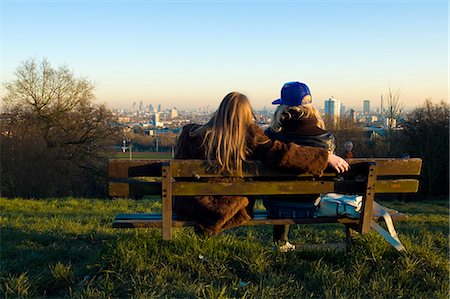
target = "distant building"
x: 353, y: 115
x: 390, y: 122
x: 149, y: 132
x: 333, y: 107
x: 366, y: 107
x: 374, y: 132
x: 123, y: 119
x: 159, y: 108
x: 342, y: 112
x: 173, y: 113
x: 156, y: 120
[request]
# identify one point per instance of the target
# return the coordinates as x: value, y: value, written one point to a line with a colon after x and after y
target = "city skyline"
x: 190, y: 54
x: 373, y: 107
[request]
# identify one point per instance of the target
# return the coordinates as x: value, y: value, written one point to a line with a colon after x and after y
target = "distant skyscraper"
x: 155, y: 120
x: 342, y: 112
x: 366, y: 107
x: 150, y: 108
x: 159, y: 107
x: 381, y: 106
x: 333, y: 107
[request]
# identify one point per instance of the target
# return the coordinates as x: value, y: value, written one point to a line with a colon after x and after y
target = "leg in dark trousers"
x: 280, y: 232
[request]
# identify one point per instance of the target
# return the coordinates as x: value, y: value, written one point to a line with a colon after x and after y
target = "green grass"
x: 67, y: 248
x: 142, y: 155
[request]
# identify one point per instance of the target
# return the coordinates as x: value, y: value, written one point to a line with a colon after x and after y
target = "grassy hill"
x: 67, y: 248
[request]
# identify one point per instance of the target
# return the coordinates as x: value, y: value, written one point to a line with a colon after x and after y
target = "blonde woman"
x: 295, y: 120
x: 229, y: 138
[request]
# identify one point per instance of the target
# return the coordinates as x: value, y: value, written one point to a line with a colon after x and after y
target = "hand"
x: 338, y: 163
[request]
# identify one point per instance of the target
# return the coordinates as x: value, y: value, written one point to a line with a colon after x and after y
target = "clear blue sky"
x: 191, y: 53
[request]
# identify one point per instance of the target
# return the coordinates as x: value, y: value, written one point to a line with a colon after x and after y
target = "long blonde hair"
x: 306, y: 111
x: 224, y: 135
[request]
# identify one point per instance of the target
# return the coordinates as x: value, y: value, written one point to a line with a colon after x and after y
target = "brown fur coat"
x: 215, y: 213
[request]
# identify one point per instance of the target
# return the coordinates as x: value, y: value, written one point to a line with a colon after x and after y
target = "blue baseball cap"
x: 294, y: 94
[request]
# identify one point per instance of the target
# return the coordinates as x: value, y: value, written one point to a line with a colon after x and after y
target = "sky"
x: 189, y: 54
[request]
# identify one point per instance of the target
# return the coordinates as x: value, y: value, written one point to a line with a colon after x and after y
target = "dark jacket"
x: 215, y: 213
x: 301, y: 131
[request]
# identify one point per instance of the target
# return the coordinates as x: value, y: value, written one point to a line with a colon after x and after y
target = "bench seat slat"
x: 141, y: 223
x: 142, y: 220
x: 259, y: 214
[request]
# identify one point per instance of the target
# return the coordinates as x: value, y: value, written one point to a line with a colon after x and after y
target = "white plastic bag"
x: 336, y: 205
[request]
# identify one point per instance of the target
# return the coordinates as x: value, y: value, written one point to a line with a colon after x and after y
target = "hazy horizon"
x: 189, y: 54
x: 128, y: 106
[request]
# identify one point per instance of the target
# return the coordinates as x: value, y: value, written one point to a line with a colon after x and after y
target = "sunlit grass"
x: 142, y: 155
x: 67, y: 248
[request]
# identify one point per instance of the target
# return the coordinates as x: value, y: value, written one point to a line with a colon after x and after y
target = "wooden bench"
x: 136, y: 178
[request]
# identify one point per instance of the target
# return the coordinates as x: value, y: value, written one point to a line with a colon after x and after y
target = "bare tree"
x: 55, y: 133
x: 393, y: 105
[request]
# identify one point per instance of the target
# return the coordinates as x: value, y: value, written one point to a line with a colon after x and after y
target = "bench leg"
x: 369, y: 196
x: 166, y: 203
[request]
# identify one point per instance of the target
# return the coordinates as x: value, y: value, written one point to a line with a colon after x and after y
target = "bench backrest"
x: 137, y: 178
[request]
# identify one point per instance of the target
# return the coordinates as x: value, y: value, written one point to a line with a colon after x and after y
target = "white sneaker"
x: 286, y: 247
